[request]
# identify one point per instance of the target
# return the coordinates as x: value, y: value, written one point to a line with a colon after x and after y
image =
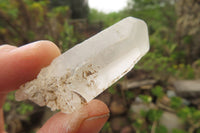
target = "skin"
x: 19, y: 65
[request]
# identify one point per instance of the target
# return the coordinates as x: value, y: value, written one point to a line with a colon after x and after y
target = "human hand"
x: 19, y: 65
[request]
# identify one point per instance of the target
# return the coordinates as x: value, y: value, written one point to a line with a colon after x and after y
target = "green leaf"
x: 129, y: 94
x: 176, y: 102
x: 145, y: 98
x: 158, y: 91
x: 111, y: 90
x: 154, y: 115
x: 24, y: 108
x: 11, y: 96
x: 196, y: 115
x: 161, y: 129
x: 178, y: 131
x: 7, y: 107
x: 198, y: 130
x: 138, y: 123
x: 106, y: 127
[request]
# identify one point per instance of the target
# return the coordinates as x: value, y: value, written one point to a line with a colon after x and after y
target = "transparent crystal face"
x: 86, y: 70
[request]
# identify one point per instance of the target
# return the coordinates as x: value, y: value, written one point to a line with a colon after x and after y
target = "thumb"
x: 89, y: 119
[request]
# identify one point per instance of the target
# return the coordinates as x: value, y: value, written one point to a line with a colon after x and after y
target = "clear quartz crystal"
x: 86, y: 70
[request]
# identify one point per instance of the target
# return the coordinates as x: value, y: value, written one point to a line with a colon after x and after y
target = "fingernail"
x: 97, y: 117
x: 93, y: 124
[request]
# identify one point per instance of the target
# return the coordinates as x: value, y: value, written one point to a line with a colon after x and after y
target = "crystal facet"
x: 86, y: 70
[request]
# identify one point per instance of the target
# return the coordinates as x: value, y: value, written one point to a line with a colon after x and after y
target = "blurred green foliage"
x: 176, y: 102
x: 178, y: 131
x: 146, y: 98
x: 157, y: 91
x: 106, y: 127
x: 106, y: 19
x: 7, y: 107
x: 11, y: 96
x: 79, y: 8
x: 112, y: 90
x: 154, y: 115
x: 161, y: 129
x: 148, y: 120
x: 129, y: 95
x: 24, y: 108
x: 68, y: 37
x: 166, y: 56
x: 35, y: 21
x: 5, y: 126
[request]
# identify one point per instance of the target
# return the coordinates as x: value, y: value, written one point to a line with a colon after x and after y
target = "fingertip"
x: 93, y: 125
x: 98, y: 114
x: 22, y: 64
x: 41, y: 52
x: 89, y: 119
x: 44, y: 52
x: 64, y: 123
x: 6, y: 48
x: 44, y: 45
x: 97, y: 108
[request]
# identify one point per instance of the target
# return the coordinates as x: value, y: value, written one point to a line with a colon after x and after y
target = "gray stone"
x: 171, y: 93
x: 127, y: 129
x: 132, y: 84
x: 171, y: 121
x: 117, y: 123
x: 187, y: 88
x: 117, y: 107
x: 136, y: 108
x: 138, y: 100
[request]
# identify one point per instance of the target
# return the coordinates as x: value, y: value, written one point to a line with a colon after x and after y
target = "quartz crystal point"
x: 86, y: 70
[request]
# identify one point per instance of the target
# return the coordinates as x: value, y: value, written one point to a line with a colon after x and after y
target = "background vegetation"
x: 174, y: 30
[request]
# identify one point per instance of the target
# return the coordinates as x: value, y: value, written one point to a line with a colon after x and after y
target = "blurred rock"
x: 131, y: 84
x: 117, y: 107
x: 171, y: 121
x: 127, y: 129
x: 187, y: 88
x: 15, y: 126
x: 146, y: 87
x: 165, y: 100
x: 117, y: 123
x: 195, y: 101
x: 186, y: 102
x: 138, y: 100
x: 171, y: 93
x: 136, y: 109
